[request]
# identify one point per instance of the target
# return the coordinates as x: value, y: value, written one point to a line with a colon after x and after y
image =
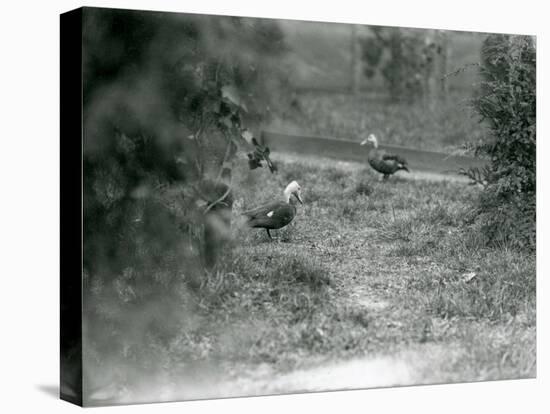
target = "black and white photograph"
x: 278, y: 206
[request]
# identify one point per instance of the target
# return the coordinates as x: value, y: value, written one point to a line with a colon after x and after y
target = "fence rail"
x: 347, y: 150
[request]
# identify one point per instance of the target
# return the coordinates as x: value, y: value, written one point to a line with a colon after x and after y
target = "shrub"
x: 165, y: 102
x: 507, y: 103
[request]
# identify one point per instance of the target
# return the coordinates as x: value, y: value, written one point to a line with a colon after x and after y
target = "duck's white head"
x: 370, y: 139
x: 293, y: 189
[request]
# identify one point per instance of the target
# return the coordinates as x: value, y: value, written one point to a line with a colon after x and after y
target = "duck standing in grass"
x: 278, y: 214
x: 381, y: 161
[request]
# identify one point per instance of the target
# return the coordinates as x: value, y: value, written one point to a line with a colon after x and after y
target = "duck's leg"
x: 269, y: 234
x: 386, y: 176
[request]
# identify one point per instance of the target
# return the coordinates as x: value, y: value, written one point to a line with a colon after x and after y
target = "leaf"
x: 226, y: 121
x: 253, y: 162
x: 200, y: 203
x: 216, y: 107
x: 247, y: 135
x: 231, y: 94
x: 182, y: 160
x: 228, y: 165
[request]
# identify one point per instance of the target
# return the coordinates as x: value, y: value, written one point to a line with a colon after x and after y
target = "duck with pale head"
x: 381, y: 161
x: 278, y: 214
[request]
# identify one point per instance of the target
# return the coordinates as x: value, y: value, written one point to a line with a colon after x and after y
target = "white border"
x: 29, y: 212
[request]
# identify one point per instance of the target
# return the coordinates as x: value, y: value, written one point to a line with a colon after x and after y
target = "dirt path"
x: 358, y: 373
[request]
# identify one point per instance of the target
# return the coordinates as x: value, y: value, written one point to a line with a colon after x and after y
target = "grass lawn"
x: 369, y: 268
x: 384, y: 272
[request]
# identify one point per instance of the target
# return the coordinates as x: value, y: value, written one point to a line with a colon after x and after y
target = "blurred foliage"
x: 444, y: 128
x: 507, y: 104
x: 405, y: 58
x: 260, y: 153
x: 166, y: 99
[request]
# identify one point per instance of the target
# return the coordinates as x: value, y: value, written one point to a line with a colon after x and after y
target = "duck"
x: 278, y: 214
x: 379, y: 160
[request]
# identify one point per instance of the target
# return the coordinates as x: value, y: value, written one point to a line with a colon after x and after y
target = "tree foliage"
x: 403, y: 57
x: 167, y: 100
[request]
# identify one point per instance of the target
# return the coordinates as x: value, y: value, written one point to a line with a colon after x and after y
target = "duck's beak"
x: 364, y: 142
x: 405, y: 168
x: 298, y: 198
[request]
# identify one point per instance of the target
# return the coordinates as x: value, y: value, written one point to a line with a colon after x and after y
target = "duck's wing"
x: 384, y: 167
x: 380, y: 163
x: 272, y: 216
x: 394, y: 157
x: 264, y: 210
x: 386, y: 163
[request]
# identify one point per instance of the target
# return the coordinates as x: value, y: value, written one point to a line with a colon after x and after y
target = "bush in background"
x: 507, y: 103
x: 405, y: 58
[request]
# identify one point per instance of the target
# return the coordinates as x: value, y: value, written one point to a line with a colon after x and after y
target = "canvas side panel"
x: 71, y: 206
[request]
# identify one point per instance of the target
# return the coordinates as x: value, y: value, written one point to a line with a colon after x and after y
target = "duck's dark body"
x: 386, y: 164
x: 272, y: 216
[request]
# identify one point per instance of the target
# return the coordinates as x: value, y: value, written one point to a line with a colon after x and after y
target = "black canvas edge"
x: 71, y: 206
